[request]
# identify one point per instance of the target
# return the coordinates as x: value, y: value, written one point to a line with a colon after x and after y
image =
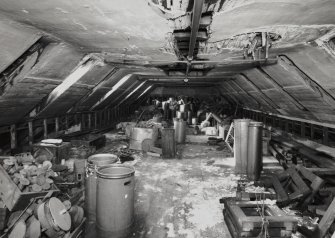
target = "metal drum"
x: 94, y: 162
x: 180, y: 131
x: 115, y: 200
x: 194, y: 120
x: 241, y: 145
x: 54, y: 218
x: 254, y: 150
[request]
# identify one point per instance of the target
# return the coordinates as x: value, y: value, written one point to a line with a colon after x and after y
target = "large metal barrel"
x: 93, y: 163
x: 180, y: 130
x: 115, y: 200
x: 241, y: 127
x: 254, y: 150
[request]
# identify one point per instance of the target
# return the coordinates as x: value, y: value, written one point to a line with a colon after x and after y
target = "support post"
x: 89, y: 120
x: 325, y: 138
x: 30, y: 133
x: 303, y: 129
x: 13, y: 141
x: 56, y: 126
x: 45, y: 128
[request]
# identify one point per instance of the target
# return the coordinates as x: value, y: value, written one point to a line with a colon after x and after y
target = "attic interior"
x: 167, y: 118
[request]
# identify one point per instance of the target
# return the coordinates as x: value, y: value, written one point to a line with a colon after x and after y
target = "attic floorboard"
x: 180, y: 197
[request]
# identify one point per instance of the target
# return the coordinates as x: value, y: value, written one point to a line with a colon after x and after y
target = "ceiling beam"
x: 196, y: 16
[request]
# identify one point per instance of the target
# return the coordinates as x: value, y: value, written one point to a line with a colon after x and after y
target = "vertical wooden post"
x: 286, y: 126
x: 13, y: 142
x: 325, y: 139
x: 45, y: 128
x: 303, y: 129
x: 82, y: 118
x: 95, y: 120
x: 30, y: 133
x: 66, y: 122
x: 56, y: 126
x: 89, y: 120
x: 312, y: 132
x: 109, y: 116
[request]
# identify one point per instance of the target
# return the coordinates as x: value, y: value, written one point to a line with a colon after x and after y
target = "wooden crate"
x: 96, y: 140
x: 59, y: 152
x: 242, y: 221
x: 13, y: 197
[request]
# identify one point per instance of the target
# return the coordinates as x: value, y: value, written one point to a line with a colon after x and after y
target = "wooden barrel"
x: 168, y: 143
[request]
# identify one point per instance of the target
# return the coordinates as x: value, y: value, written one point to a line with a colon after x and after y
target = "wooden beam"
x: 56, y: 125
x: 281, y: 89
x: 13, y: 138
x: 196, y: 16
x: 30, y: 133
x: 45, y: 128
x: 267, y: 99
x: 89, y: 120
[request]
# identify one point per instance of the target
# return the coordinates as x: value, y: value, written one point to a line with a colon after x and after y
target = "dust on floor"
x: 180, y: 197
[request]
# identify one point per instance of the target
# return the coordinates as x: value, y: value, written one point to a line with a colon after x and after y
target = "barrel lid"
x: 102, y: 159
x: 59, y: 214
x: 255, y: 123
x: 116, y: 171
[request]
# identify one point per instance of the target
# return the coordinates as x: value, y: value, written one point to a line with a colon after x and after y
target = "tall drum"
x: 115, y: 200
x: 241, y: 127
x: 255, y: 150
x: 93, y: 163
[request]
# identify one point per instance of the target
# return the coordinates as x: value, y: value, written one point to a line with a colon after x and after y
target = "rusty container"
x: 115, y: 200
x: 93, y: 163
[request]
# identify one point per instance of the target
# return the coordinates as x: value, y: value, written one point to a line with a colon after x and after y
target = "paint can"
x: 54, y: 218
x: 94, y: 162
x: 115, y: 200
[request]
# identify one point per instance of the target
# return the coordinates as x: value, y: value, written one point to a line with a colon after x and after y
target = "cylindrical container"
x: 241, y: 127
x: 221, y: 132
x: 189, y: 117
x: 180, y: 115
x: 115, y: 200
x: 54, y: 218
x: 194, y: 120
x: 168, y: 143
x: 181, y: 131
x: 254, y: 150
x: 183, y: 107
x: 94, y: 162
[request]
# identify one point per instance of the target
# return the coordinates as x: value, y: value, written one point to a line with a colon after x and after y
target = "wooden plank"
x: 327, y: 220
x: 45, y: 128
x: 56, y: 125
x: 303, y: 188
x: 30, y: 133
x: 13, y: 141
x: 168, y: 143
x: 281, y: 193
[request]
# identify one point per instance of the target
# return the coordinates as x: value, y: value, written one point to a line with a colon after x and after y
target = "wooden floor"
x: 180, y: 197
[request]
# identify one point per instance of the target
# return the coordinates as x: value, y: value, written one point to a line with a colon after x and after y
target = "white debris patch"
x: 206, y: 214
